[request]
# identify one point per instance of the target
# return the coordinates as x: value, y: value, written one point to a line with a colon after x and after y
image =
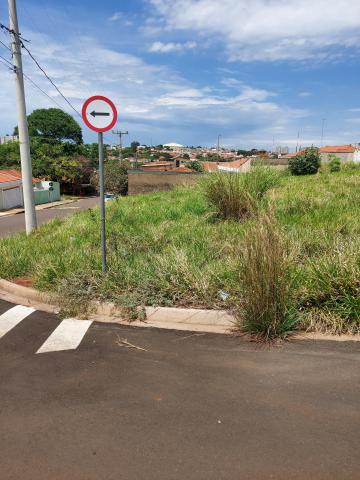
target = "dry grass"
x: 266, y: 307
x: 239, y: 196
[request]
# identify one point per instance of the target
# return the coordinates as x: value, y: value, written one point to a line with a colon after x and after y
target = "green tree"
x: 196, y: 166
x: 306, y: 162
x: 53, y: 124
x: 10, y: 155
x: 115, y: 177
x: 134, y: 146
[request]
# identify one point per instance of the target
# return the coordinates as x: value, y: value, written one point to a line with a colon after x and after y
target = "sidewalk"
x: 44, y: 206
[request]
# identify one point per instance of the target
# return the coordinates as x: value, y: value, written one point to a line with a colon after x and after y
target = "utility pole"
x: 298, y: 140
x: 218, y: 147
x: 322, y: 131
x: 118, y: 132
x: 26, y: 169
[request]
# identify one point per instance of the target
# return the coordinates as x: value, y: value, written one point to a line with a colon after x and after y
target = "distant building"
x: 346, y: 153
x: 11, y: 190
x: 8, y: 139
x: 282, y: 150
x: 11, y: 194
x: 242, y: 166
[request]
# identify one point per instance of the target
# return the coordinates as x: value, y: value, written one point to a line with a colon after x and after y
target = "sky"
x: 257, y: 72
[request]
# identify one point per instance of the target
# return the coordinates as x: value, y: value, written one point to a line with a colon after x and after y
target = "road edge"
x: 187, y: 319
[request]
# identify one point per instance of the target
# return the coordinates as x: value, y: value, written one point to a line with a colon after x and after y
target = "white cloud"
x: 115, y: 17
x: 149, y: 98
x: 269, y: 30
x: 118, y: 16
x: 160, y: 47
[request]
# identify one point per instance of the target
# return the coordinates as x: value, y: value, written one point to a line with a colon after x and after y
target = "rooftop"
x: 11, y: 175
x: 338, y: 149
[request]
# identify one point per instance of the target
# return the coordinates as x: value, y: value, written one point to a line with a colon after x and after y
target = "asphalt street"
x: 140, y: 403
x: 16, y: 223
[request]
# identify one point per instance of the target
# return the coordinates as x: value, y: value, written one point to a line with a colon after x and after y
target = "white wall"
x: 11, y: 195
x: 344, y: 157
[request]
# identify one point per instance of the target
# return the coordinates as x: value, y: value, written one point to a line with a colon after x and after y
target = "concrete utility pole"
x: 26, y: 170
x: 322, y: 131
x: 118, y: 132
x: 218, y: 147
x: 298, y: 140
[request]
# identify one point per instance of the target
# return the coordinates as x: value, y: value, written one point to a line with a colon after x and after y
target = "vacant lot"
x: 171, y: 249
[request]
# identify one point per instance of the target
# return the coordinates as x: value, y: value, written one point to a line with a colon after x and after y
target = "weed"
x: 238, y: 196
x: 266, y: 306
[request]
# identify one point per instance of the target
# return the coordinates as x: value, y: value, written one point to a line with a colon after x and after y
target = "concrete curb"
x: 213, y: 321
x: 187, y: 319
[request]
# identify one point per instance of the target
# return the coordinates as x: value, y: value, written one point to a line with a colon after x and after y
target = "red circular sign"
x: 99, y: 113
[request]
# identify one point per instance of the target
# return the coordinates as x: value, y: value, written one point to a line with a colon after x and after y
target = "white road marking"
x: 12, y: 317
x: 67, y: 336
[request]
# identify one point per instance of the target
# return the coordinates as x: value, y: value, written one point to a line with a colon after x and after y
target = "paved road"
x: 16, y: 223
x: 190, y: 407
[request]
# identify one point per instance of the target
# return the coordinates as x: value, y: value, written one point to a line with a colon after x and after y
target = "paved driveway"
x: 16, y: 223
x: 184, y: 406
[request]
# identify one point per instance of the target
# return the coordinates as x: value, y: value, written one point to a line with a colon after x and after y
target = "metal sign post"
x: 100, y: 114
x: 102, y: 201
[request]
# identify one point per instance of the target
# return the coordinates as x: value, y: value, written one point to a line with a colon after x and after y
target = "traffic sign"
x: 99, y: 113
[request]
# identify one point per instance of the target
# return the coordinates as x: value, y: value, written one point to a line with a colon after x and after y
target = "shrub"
x: 196, y: 166
x: 306, y: 162
x: 238, y: 195
x: 334, y: 163
x: 266, y: 306
x: 115, y: 177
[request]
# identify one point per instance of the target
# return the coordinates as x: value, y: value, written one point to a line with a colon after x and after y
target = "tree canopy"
x: 53, y: 124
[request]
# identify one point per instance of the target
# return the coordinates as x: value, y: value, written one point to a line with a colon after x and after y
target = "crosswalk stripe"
x: 12, y: 317
x: 67, y: 336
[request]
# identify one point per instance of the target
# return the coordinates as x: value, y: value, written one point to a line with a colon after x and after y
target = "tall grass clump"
x: 238, y: 196
x: 266, y: 307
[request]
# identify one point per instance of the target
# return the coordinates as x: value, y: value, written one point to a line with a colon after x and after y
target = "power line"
x: 50, y: 80
x: 4, y: 27
x: 2, y: 61
x: 6, y: 46
x: 41, y: 90
x: 7, y: 61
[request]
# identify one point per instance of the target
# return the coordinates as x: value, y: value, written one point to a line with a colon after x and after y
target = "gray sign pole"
x: 102, y: 201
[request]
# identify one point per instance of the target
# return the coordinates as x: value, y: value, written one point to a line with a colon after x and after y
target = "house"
x: 11, y: 194
x: 346, y: 153
x: 11, y: 191
x: 242, y: 165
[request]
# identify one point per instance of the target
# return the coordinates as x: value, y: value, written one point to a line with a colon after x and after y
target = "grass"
x: 238, y: 196
x: 171, y: 249
x: 266, y: 307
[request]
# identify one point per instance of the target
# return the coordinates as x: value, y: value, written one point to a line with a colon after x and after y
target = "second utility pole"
x: 26, y: 170
x: 117, y: 132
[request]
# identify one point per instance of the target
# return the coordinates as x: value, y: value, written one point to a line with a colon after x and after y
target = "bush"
x: 196, y: 166
x: 266, y: 307
x: 305, y: 163
x: 115, y: 177
x: 334, y: 163
x: 238, y: 195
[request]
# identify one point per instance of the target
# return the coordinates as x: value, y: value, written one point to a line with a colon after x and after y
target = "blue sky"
x: 254, y: 71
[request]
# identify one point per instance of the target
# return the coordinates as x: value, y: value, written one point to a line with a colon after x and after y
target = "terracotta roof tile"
x: 338, y: 149
x: 11, y: 175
